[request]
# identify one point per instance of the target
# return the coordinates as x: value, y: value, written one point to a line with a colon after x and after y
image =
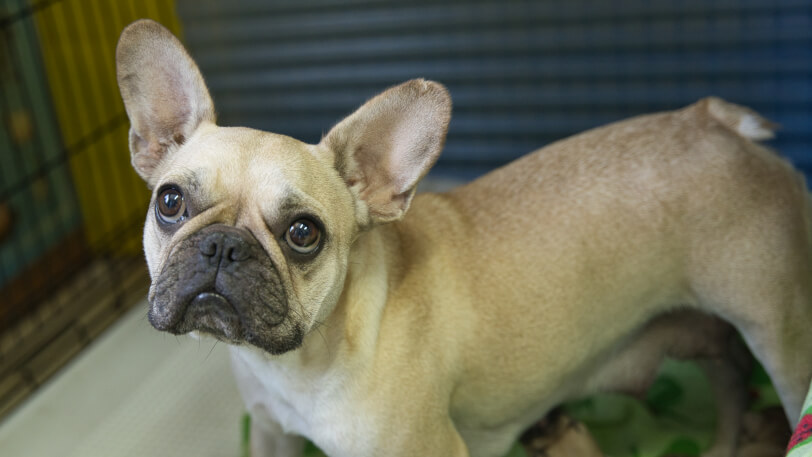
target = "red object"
x: 802, y: 432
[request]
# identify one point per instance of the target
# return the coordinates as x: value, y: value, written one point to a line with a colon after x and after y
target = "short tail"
x: 741, y: 120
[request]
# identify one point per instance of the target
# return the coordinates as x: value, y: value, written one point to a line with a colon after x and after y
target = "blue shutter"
x: 521, y: 73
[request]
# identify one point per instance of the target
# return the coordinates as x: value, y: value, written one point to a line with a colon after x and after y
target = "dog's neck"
x: 350, y: 331
x: 380, y: 259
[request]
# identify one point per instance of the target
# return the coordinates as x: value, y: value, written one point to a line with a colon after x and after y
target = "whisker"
x: 211, y: 350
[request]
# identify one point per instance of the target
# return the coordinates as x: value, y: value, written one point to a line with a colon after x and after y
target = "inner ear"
x: 384, y: 148
x: 163, y: 91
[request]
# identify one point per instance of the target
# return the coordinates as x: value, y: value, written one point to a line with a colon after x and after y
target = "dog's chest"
x: 316, y: 407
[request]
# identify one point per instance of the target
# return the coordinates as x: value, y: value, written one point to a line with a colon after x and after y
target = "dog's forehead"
x: 238, y: 169
x: 225, y: 160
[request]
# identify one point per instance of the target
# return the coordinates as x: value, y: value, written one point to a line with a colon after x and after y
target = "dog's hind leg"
x: 782, y: 341
x: 727, y: 378
x: 776, y: 328
x: 759, y: 278
x: 750, y: 261
x: 686, y: 334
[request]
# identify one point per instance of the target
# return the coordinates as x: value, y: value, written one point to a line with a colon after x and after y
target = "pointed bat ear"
x: 383, y: 149
x: 164, y: 94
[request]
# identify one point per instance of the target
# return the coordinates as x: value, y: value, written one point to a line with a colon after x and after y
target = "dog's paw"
x: 559, y: 435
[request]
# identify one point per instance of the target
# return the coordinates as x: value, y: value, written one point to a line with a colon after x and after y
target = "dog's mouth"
x: 212, y: 313
x: 219, y: 281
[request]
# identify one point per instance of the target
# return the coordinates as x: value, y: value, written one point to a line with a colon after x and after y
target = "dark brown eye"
x: 303, y: 236
x: 170, y: 207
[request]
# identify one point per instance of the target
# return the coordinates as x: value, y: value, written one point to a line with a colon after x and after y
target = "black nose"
x: 224, y: 247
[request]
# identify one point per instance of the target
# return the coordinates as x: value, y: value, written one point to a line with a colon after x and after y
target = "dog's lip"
x: 212, y: 312
x: 209, y: 295
x: 213, y: 300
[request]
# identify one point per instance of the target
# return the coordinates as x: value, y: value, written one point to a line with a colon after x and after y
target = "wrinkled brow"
x: 192, y: 180
x: 292, y: 203
x: 188, y: 179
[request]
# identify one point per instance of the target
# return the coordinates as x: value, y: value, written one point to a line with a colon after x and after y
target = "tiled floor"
x: 133, y: 392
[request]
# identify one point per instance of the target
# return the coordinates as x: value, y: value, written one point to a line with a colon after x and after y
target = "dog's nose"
x: 224, y: 247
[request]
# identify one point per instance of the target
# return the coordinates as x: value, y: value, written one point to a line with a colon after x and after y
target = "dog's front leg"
x: 411, y: 431
x: 442, y: 441
x: 452, y: 444
x: 268, y: 440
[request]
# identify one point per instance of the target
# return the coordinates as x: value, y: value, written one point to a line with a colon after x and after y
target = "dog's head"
x: 248, y: 233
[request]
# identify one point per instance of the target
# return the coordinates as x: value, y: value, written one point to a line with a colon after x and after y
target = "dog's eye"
x: 170, y: 207
x: 303, y: 236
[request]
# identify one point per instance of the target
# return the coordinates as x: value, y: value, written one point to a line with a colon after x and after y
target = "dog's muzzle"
x: 220, y: 281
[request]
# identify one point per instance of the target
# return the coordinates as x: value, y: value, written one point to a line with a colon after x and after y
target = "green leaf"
x: 683, y: 446
x: 245, y: 441
x: 664, y: 394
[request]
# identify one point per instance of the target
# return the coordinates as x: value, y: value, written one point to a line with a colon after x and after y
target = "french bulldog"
x: 449, y: 329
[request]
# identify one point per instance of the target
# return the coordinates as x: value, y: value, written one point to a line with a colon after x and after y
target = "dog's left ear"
x: 163, y: 91
x: 385, y: 147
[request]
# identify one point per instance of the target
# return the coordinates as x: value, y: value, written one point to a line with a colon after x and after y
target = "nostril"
x: 209, y: 245
x: 237, y: 252
x: 209, y: 249
x: 224, y: 247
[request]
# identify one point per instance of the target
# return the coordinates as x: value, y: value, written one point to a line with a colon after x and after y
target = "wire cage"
x: 521, y: 73
x: 71, y: 208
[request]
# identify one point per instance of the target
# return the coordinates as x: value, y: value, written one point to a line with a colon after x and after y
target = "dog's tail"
x: 740, y: 119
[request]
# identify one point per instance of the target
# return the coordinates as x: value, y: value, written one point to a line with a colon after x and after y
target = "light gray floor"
x: 134, y: 392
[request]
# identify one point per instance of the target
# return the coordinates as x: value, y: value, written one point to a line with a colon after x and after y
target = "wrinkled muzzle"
x: 220, y: 281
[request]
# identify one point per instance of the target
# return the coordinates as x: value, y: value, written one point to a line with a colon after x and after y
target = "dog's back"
x: 663, y: 196
x: 594, y: 235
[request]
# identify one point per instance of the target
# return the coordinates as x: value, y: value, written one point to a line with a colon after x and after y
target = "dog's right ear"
x: 163, y: 91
